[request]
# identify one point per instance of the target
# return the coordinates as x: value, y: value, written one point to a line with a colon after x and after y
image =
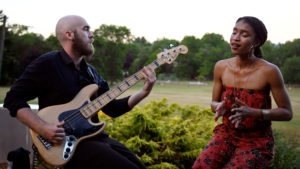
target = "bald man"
x: 55, y: 78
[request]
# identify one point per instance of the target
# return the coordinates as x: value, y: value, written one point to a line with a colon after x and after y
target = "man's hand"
x: 150, y: 79
x: 54, y: 133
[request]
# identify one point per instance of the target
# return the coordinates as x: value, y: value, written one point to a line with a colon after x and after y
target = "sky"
x: 158, y: 19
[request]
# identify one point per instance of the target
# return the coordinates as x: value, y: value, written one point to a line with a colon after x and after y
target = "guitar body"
x: 77, y: 129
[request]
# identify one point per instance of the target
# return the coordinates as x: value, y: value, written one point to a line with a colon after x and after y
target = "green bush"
x: 287, y: 152
x: 167, y: 136
x: 164, y: 136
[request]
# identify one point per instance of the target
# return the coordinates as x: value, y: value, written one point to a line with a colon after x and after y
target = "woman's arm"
x: 283, y: 112
x: 217, y: 106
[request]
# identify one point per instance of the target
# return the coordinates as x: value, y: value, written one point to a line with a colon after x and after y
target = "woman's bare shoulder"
x: 268, y: 67
x: 221, y: 64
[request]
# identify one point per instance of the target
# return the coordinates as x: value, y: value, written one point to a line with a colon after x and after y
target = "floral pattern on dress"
x: 251, y: 145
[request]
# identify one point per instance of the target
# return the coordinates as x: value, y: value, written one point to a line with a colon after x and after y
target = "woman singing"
x: 241, y: 95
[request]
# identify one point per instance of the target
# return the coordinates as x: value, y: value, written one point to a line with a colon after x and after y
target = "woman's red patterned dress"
x: 251, y: 145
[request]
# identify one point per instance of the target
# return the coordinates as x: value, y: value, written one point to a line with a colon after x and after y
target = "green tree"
x: 291, y: 69
x: 52, y: 43
x: 270, y: 52
x: 189, y: 63
x: 110, y: 51
x: 137, y: 55
x: 158, y: 47
x: 213, y: 49
x: 21, y: 48
x: 291, y: 48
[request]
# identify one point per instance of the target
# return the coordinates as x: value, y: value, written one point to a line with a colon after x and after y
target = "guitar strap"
x: 91, y: 74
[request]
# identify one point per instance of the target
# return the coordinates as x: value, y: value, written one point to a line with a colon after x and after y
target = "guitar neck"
x: 94, y: 106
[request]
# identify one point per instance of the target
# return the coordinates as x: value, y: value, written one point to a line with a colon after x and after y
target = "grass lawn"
x: 185, y: 93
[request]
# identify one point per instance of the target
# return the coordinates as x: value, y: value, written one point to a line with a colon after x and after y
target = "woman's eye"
x: 245, y: 35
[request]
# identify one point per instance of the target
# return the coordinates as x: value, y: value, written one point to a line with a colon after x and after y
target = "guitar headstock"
x: 168, y: 56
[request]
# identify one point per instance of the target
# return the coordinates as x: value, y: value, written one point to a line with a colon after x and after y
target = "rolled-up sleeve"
x: 117, y: 107
x: 24, y: 89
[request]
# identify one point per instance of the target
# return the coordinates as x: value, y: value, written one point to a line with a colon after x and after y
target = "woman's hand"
x: 242, y: 112
x: 220, y: 109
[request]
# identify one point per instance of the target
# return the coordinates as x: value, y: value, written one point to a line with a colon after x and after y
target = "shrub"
x: 164, y: 136
x: 167, y: 136
x: 287, y: 152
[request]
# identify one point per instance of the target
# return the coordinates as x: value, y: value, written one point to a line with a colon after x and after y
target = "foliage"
x: 214, y: 48
x: 20, y: 49
x: 110, y: 50
x: 163, y: 135
x: 171, y: 136
x: 289, y: 69
x: 138, y: 51
x: 188, y: 64
x: 158, y: 47
x: 117, y: 47
x: 287, y: 153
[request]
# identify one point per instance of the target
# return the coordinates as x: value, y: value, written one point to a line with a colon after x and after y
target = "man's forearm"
x: 30, y: 118
x: 136, y: 98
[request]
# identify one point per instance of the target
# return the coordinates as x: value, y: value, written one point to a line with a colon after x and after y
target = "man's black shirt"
x: 53, y: 79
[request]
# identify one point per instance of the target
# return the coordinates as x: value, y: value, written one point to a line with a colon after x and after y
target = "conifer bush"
x: 287, y: 152
x: 164, y: 136
x: 171, y: 136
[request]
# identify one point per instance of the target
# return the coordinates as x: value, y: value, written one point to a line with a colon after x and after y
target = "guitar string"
x: 74, y: 117
x: 104, y: 97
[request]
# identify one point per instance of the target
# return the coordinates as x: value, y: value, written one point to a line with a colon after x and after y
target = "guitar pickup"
x: 46, y: 144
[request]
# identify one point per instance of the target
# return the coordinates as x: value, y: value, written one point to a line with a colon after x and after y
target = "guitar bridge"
x: 69, y: 146
x: 44, y: 142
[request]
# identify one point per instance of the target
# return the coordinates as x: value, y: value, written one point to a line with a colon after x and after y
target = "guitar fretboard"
x: 94, y: 106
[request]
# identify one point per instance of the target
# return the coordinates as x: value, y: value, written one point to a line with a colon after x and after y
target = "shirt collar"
x: 68, y: 61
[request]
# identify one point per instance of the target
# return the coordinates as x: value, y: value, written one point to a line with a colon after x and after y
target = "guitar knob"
x: 69, y: 144
x: 66, y: 156
x: 71, y: 139
x: 68, y: 150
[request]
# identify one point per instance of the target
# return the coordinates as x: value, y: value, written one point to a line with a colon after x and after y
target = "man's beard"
x: 81, y: 47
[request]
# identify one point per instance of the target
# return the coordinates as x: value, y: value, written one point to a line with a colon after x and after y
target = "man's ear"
x: 70, y: 35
